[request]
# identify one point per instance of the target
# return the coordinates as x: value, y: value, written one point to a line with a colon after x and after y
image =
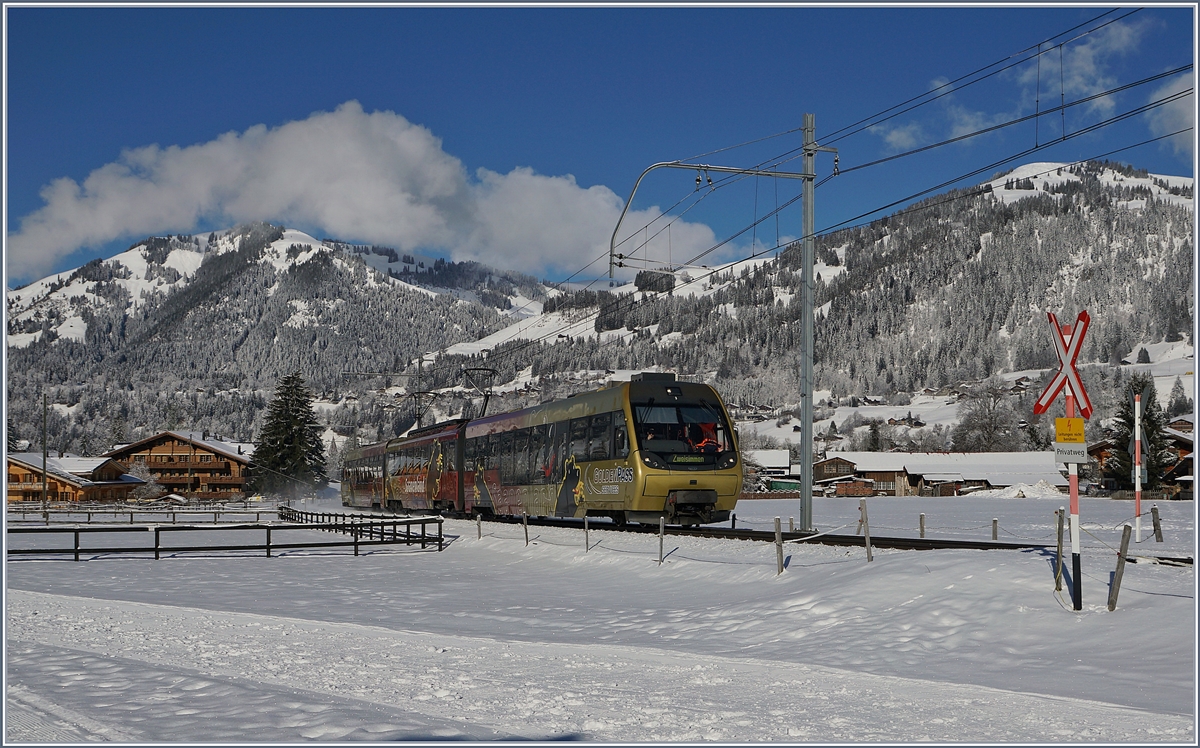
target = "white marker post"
x: 1067, y: 342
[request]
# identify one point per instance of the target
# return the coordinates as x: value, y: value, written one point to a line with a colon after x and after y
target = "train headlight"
x: 652, y: 460
x: 727, y: 460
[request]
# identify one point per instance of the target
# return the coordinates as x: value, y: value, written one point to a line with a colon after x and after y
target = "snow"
x: 493, y: 638
x: 1046, y: 173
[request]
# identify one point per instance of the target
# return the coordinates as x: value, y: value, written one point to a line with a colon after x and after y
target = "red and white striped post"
x: 1073, y: 479
x: 1137, y: 466
x: 1067, y: 342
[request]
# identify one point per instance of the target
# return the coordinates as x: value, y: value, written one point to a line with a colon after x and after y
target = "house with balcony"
x: 73, y: 479
x: 196, y: 465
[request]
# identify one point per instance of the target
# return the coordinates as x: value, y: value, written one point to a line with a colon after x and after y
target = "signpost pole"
x: 1067, y: 342
x: 1137, y: 467
x: 1073, y: 478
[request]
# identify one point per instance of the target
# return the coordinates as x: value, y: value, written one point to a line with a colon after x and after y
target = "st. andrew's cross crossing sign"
x: 1067, y: 375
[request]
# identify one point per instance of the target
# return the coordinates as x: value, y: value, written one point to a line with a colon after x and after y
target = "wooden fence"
x: 362, y: 531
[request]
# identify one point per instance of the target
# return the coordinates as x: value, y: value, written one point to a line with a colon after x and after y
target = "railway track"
x: 768, y: 536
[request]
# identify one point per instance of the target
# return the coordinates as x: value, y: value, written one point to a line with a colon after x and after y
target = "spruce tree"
x: 1155, y: 449
x: 11, y: 438
x: 289, y: 455
x: 1179, y: 403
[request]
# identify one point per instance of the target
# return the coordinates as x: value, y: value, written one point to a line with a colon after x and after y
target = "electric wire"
x: 926, y: 93
x: 783, y: 158
x: 630, y: 300
x: 957, y: 139
x: 1017, y: 121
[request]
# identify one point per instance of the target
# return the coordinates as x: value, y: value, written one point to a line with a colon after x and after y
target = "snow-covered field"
x: 495, y: 639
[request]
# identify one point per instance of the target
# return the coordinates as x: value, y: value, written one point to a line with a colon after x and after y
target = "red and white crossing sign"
x: 1067, y: 375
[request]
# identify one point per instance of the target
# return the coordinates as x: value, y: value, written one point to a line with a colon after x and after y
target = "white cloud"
x: 1176, y: 115
x: 534, y: 222
x: 900, y: 138
x: 368, y: 177
x: 1084, y: 67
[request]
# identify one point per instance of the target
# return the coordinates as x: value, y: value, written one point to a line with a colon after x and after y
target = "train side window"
x: 447, y: 456
x: 506, y: 458
x: 520, y: 472
x: 469, y: 454
x: 493, y: 452
x: 539, y: 455
x: 579, y: 439
x: 620, y: 436
x: 558, y: 449
x: 600, y: 437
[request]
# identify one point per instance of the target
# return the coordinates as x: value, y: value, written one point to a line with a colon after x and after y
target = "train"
x: 639, y: 451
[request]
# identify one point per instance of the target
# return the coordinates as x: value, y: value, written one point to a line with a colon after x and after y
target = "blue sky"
x: 514, y: 135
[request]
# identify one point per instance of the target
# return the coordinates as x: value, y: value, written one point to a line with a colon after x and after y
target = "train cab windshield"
x: 682, y: 428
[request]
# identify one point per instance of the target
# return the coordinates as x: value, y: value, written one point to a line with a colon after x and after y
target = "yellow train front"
x: 647, y: 449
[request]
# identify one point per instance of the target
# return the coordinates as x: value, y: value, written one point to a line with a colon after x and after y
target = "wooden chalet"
x: 75, y: 479
x: 933, y: 474
x: 196, y: 465
x: 1185, y: 424
x: 1102, y: 451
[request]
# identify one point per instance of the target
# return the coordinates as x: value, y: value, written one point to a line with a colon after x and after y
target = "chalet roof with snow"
x: 773, y: 459
x: 1185, y: 423
x: 238, y: 451
x: 997, y: 468
x: 77, y: 471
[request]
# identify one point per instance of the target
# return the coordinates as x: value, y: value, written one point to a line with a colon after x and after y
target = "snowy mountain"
x: 194, y: 331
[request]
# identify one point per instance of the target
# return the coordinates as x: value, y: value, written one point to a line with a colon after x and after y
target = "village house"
x: 1185, y: 424
x: 74, y: 479
x: 934, y: 473
x: 1102, y: 451
x: 195, y: 465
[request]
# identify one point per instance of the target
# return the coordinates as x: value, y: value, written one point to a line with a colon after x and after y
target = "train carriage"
x: 362, y: 477
x: 649, y: 448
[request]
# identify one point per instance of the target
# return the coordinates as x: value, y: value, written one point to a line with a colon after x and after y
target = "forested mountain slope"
x: 194, y: 331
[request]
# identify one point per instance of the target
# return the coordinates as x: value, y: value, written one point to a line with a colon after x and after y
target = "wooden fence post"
x: 733, y: 520
x: 791, y: 524
x: 76, y: 543
x: 268, y: 541
x: 866, y: 527
x: 525, y: 523
x: 778, y: 548
x: 995, y: 528
x: 1157, y: 523
x: 662, y: 529
x: 922, y: 524
x: 586, y: 544
x: 1116, y: 585
x: 156, y: 544
x: 479, y: 527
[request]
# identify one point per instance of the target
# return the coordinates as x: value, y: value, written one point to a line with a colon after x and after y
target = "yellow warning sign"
x: 1068, y: 430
